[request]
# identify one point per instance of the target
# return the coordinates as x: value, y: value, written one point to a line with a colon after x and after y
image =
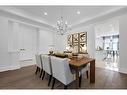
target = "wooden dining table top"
x: 78, y: 62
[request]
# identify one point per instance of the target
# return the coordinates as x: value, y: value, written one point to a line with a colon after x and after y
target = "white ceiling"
x: 68, y: 12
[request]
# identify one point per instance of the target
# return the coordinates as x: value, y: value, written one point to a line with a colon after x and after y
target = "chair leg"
x: 36, y: 70
x: 43, y: 75
x: 80, y: 80
x: 49, y: 80
x: 65, y: 86
x: 53, y: 83
x: 87, y: 74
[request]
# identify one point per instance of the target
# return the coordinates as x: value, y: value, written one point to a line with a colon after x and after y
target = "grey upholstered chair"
x: 39, y: 64
x: 61, y: 71
x: 46, y: 62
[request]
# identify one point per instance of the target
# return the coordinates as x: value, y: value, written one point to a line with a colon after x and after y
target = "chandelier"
x: 62, y: 26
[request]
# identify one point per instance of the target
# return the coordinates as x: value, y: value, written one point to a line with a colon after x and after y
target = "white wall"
x: 90, y: 38
x: 4, y: 57
x: 13, y: 31
x: 47, y: 38
x: 10, y: 42
x: 123, y: 38
x: 28, y: 41
x: 59, y: 42
x: 107, y: 28
x: 45, y: 41
x: 8, y: 60
x: 123, y: 44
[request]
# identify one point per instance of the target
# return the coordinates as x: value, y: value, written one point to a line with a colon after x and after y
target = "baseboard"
x: 25, y: 60
x: 123, y: 70
x: 26, y: 63
x: 2, y: 69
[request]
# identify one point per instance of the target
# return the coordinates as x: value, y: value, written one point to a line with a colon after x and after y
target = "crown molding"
x: 6, y: 12
x: 109, y: 14
x: 14, y: 13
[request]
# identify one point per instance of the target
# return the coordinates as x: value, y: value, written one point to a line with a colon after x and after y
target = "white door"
x: 27, y: 42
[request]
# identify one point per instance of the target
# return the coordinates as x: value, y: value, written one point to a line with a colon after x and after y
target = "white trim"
x: 24, y: 20
x: 14, y: 67
x: 18, y: 12
x: 120, y: 70
x: 123, y: 70
x: 25, y: 63
x: 9, y: 68
x: 109, y: 14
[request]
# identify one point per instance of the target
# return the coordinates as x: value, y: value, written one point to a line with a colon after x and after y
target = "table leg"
x: 92, y: 71
x: 77, y: 78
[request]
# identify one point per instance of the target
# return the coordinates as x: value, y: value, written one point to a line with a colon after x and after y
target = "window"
x: 111, y: 43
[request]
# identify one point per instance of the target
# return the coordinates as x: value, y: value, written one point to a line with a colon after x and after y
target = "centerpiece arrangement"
x: 51, y: 52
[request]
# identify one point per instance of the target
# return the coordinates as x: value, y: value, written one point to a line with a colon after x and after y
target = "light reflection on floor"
x: 111, y: 62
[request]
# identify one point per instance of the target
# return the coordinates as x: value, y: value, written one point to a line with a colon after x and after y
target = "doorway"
x: 107, y: 45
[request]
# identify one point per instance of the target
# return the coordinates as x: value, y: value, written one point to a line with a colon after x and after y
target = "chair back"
x: 61, y: 70
x: 46, y: 62
x: 38, y: 60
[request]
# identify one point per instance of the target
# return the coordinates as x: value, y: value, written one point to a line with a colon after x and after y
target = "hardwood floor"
x: 25, y: 78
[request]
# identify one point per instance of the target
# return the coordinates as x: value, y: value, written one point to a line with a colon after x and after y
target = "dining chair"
x: 84, y: 70
x: 39, y: 64
x: 46, y: 62
x: 61, y: 71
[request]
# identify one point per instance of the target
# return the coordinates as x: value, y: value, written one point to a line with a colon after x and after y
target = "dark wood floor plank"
x: 25, y: 78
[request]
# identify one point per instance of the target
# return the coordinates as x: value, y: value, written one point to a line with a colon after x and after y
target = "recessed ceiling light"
x: 45, y: 13
x: 78, y: 12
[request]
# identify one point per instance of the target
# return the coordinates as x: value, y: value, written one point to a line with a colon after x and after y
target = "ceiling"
x: 68, y: 12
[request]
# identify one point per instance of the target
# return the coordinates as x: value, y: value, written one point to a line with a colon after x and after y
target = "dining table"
x: 77, y: 64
